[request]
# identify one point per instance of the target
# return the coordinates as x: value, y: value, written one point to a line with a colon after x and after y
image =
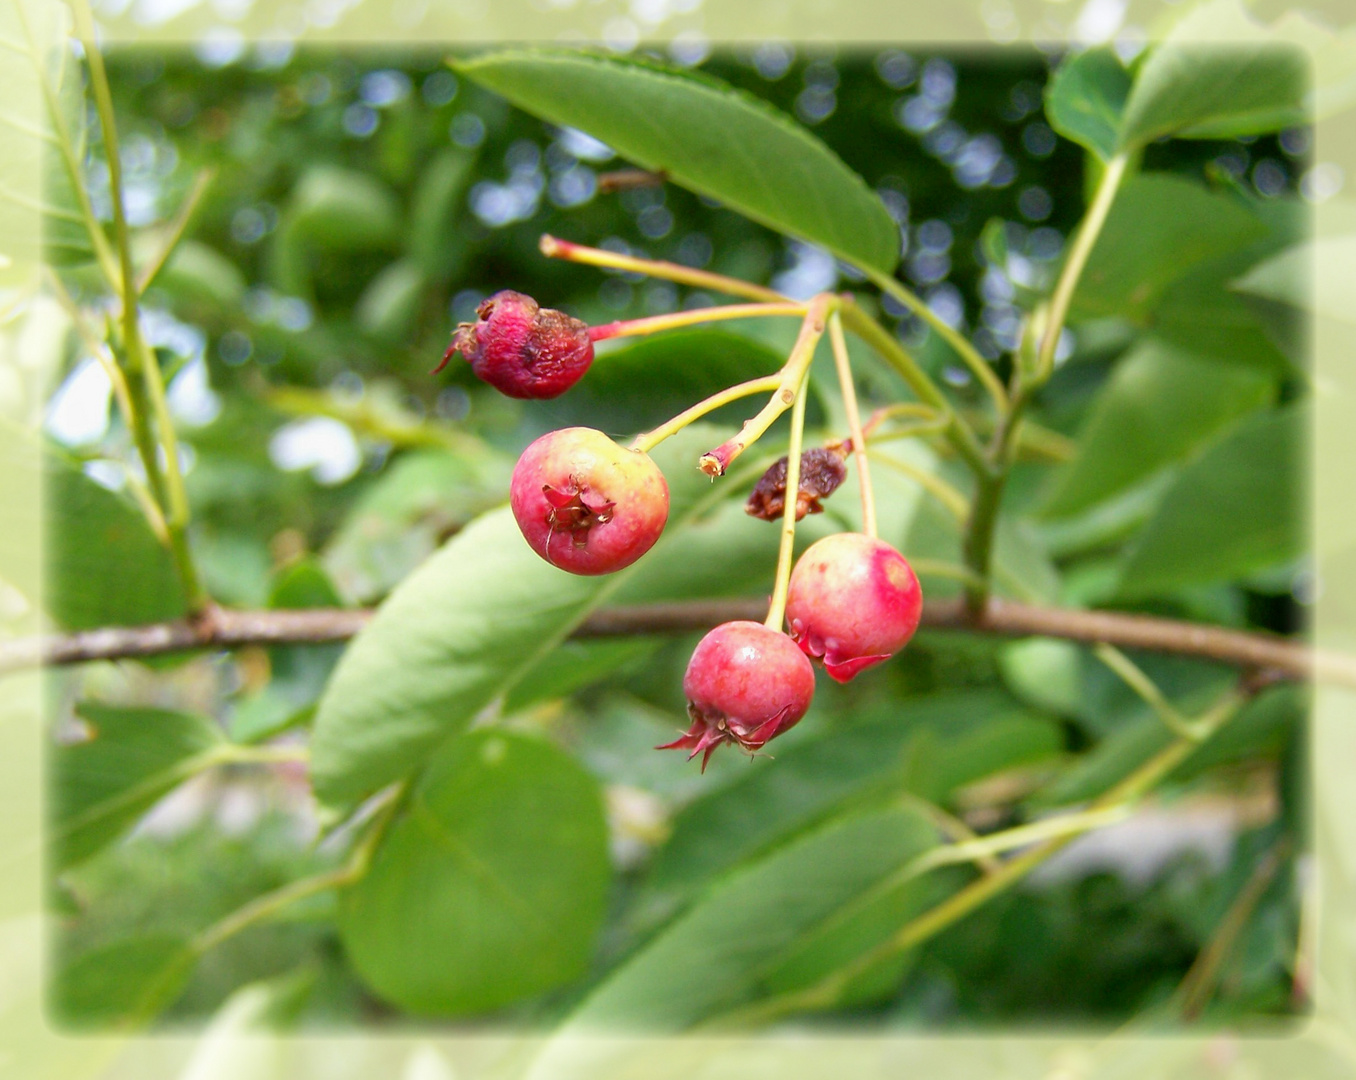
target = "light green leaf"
x: 716, y: 956
x: 388, y: 306
x: 434, y: 242
x: 1218, y: 74
x: 127, y: 980
x: 706, y: 136
x: 200, y: 274
x: 1237, y: 509
x: 131, y: 759
x: 1160, y: 226
x: 461, y: 630
x: 1159, y: 405
x: 490, y: 886
x: 1316, y: 276
x: 1085, y: 98
x: 573, y: 665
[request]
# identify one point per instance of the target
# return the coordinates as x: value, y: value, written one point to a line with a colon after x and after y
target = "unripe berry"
x: 745, y: 684
x: 853, y: 601
x: 522, y: 349
x: 585, y: 504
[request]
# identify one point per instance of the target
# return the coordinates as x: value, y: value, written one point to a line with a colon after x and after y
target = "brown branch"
x: 224, y: 628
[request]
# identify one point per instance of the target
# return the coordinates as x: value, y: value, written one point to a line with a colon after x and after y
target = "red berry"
x: 585, y: 504
x: 745, y: 684
x: 522, y: 349
x: 854, y: 601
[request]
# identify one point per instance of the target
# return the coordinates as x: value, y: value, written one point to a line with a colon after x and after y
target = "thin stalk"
x: 1147, y: 690
x: 96, y: 344
x: 554, y: 248
x: 957, y: 431
x: 956, y: 503
x: 149, y: 392
x: 776, y: 611
x: 1073, y: 267
x: 175, y: 232
x: 650, y: 439
x: 911, y: 409
x: 942, y: 569
x: 843, y: 365
x: 677, y: 319
x: 979, y: 367
x: 789, y: 390
x: 977, y: 545
x: 103, y: 252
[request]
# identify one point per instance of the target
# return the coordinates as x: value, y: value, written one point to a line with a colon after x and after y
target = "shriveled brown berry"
x: 821, y: 471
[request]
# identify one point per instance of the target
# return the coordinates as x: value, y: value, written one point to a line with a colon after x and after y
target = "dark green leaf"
x: 1237, y: 509
x: 1159, y: 406
x: 128, y: 980
x: 491, y: 884
x: 435, y: 243
x: 131, y: 759
x: 1160, y: 226
x: 572, y: 665
x: 705, y: 136
x: 1085, y: 98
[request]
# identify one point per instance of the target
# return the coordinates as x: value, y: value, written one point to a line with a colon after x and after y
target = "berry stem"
x: 676, y: 319
x: 776, y: 611
x: 843, y: 365
x: 650, y: 439
x: 554, y: 248
x: 906, y: 408
x: 792, y: 378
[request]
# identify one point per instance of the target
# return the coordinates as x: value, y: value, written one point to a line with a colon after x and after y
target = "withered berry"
x: 585, y: 504
x: 853, y: 602
x: 745, y: 684
x: 522, y: 349
x: 822, y: 470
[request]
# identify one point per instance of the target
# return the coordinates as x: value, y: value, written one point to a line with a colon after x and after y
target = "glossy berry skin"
x: 522, y: 349
x: 745, y: 684
x: 853, y: 602
x: 585, y: 504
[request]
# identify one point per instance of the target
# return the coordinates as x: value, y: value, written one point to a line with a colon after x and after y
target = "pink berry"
x: 745, y: 684
x: 522, y: 349
x: 854, y: 601
x: 585, y: 504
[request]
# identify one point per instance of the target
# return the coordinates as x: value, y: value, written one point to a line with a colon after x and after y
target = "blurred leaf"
x: 104, y: 566
x: 1236, y: 509
x: 1218, y: 74
x: 344, y: 209
x: 390, y: 303
x: 1158, y: 228
x: 460, y: 631
x: 303, y: 583
x: 716, y: 956
x: 1315, y: 276
x: 1085, y: 98
x: 686, y: 126
x: 435, y: 243
x: 491, y: 885
x: 197, y: 273
x: 128, y: 980
x: 1159, y: 405
x: 132, y: 758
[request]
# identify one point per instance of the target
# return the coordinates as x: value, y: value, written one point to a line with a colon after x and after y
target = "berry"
x: 745, y: 684
x: 522, y: 349
x: 585, y: 504
x: 822, y: 470
x: 853, y: 601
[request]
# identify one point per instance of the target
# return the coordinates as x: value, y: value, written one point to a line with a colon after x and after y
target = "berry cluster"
x: 588, y: 505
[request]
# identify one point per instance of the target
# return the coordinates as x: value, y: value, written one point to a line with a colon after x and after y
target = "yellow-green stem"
x: 955, y: 503
x: 554, y: 248
x: 969, y: 355
x: 677, y: 319
x: 776, y: 611
x: 650, y: 439
x: 843, y: 365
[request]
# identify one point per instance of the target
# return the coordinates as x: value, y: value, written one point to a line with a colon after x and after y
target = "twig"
x: 230, y: 629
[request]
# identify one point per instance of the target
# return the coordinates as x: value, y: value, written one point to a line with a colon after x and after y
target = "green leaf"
x: 717, y: 955
x: 928, y: 746
x: 388, y: 306
x: 706, y: 136
x: 344, y: 209
x: 461, y: 630
x: 1315, y: 276
x: 127, y: 980
x: 1217, y: 75
x: 1159, y: 227
x: 490, y: 886
x: 1159, y: 405
x: 200, y: 274
x: 104, y: 565
x: 572, y: 665
x: 131, y: 759
x: 1085, y: 98
x: 1237, y: 509
x: 434, y: 242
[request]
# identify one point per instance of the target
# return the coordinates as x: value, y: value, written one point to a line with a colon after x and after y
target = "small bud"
x: 822, y: 470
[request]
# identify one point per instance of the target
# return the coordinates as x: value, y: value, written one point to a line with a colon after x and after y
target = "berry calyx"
x: 585, y: 504
x: 745, y: 684
x: 522, y: 349
x: 853, y: 602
